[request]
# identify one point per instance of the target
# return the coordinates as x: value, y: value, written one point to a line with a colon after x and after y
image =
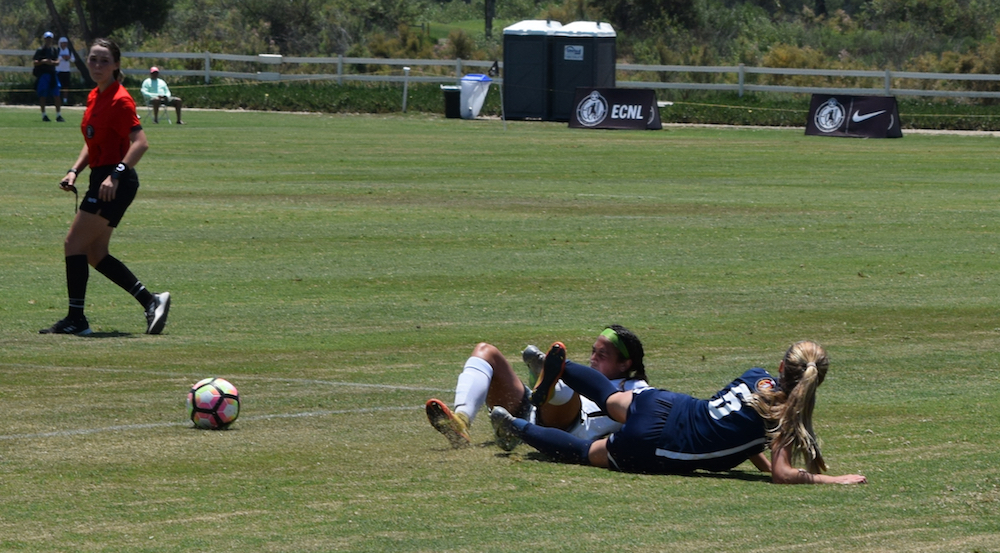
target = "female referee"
x: 114, y: 142
x: 670, y: 433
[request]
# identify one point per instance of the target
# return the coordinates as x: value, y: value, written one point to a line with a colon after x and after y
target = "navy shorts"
x: 64, y: 79
x: 114, y: 210
x: 48, y: 85
x: 633, y: 447
x: 656, y: 419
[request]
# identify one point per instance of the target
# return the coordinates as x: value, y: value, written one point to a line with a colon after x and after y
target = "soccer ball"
x: 213, y: 403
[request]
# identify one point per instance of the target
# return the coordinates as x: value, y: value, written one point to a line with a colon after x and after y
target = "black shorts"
x: 114, y: 210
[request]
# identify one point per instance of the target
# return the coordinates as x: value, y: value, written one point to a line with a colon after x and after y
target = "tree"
x: 107, y: 16
x: 946, y: 17
x: 292, y: 25
x: 81, y: 65
x: 491, y: 12
x: 643, y: 16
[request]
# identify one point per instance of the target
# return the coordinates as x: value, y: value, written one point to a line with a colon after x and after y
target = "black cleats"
x: 156, y: 313
x: 77, y: 326
x: 555, y: 363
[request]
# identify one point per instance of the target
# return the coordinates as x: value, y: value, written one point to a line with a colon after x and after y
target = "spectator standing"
x: 66, y: 61
x: 46, y: 59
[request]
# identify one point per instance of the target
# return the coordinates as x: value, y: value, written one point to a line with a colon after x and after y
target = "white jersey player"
x: 487, y: 379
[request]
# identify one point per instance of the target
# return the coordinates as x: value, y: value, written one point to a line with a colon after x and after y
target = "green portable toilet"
x: 526, y: 69
x: 581, y: 54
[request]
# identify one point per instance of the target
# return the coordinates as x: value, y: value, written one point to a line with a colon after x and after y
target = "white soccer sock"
x: 473, y: 383
x: 562, y: 394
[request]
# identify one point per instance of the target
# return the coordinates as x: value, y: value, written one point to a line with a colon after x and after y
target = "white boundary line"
x: 127, y: 427
x: 130, y: 427
x: 242, y: 377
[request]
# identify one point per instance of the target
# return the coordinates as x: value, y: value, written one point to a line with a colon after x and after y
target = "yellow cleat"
x: 454, y: 426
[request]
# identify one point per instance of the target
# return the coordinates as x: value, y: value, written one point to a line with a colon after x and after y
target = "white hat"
x: 48, y: 34
x: 63, y: 39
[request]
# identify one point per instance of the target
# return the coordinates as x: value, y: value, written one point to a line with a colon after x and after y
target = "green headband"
x: 612, y: 337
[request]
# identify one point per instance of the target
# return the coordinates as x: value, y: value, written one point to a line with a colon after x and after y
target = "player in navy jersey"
x: 670, y: 433
x: 113, y: 143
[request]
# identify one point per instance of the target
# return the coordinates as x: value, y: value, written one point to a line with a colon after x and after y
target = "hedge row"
x: 686, y: 107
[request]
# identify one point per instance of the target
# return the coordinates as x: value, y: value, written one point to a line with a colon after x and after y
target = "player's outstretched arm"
x: 782, y: 472
x: 761, y: 461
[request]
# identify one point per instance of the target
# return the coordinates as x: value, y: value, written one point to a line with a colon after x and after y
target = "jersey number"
x: 731, y: 401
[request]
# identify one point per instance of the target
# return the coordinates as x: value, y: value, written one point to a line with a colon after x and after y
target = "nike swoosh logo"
x: 857, y: 117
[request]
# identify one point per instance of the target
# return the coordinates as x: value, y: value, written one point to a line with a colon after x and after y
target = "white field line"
x: 228, y: 377
x: 129, y: 427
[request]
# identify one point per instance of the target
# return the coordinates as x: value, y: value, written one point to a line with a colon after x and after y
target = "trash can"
x: 452, y: 101
x: 474, y: 90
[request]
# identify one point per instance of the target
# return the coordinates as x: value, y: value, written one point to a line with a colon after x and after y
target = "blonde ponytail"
x: 788, y: 413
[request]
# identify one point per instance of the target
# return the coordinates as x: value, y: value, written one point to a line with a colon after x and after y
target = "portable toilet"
x: 582, y: 54
x: 526, y: 68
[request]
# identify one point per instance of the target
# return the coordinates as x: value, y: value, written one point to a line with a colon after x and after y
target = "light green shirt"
x: 152, y: 88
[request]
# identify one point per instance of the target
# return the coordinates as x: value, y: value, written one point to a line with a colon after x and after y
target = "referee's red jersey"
x: 107, y: 123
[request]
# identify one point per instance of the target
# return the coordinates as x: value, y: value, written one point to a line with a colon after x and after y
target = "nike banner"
x: 854, y: 116
x: 615, y: 108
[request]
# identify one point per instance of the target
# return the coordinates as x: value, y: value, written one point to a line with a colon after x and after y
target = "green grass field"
x: 339, y: 269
